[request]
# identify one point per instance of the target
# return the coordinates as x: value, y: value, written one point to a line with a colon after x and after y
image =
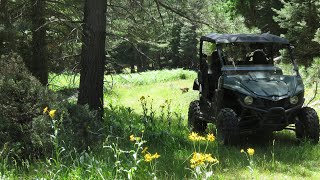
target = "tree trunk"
x: 93, y: 54
x: 39, y: 63
x: 132, y: 68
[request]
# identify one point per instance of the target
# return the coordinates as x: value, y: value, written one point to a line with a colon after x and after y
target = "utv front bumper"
x: 269, y: 119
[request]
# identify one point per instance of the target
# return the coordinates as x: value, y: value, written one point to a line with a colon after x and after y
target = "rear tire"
x: 228, y: 127
x: 194, y: 118
x: 307, y: 125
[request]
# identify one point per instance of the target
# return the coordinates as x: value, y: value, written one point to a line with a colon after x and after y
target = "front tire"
x: 194, y: 118
x: 228, y: 127
x: 307, y: 125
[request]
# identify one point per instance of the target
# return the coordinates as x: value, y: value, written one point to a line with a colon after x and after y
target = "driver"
x: 257, y: 56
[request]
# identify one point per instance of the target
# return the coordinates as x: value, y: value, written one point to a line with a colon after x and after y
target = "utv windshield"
x: 241, y: 58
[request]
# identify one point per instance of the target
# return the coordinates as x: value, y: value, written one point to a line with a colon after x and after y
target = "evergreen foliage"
x: 301, y: 19
x: 25, y: 128
x: 258, y: 13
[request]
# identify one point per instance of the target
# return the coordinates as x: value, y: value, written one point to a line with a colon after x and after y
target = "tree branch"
x: 125, y: 9
x: 181, y: 14
x: 158, y: 8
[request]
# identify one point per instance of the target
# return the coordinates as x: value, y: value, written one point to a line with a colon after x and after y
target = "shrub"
x: 24, y: 126
x: 81, y: 127
x: 21, y: 98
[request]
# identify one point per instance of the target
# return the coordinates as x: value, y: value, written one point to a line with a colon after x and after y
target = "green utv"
x: 244, y: 91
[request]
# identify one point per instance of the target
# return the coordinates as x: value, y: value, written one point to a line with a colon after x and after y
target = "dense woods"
x: 144, y: 35
x: 155, y: 34
x: 91, y: 39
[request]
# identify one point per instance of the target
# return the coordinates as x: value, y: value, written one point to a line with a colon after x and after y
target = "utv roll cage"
x: 219, y: 39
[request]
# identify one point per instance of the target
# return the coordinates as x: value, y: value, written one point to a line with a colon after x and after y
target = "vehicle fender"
x: 196, y: 85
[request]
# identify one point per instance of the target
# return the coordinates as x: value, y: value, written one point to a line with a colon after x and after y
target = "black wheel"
x: 228, y: 127
x: 194, y: 118
x: 307, y: 124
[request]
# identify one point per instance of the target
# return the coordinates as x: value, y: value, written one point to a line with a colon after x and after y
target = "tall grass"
x: 70, y: 80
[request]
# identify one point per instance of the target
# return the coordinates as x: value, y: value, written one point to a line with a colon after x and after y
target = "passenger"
x: 259, y: 57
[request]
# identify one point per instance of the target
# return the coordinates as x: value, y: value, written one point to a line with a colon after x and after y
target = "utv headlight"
x: 294, y: 100
x: 248, y: 100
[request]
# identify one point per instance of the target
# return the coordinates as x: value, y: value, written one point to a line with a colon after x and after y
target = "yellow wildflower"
x: 144, y: 150
x: 148, y: 157
x: 197, y: 159
x: 155, y: 156
x: 210, y: 159
x: 200, y: 158
x: 193, y: 136
x: 45, y: 110
x: 52, y: 113
x: 132, y: 138
x: 242, y: 151
x: 210, y: 137
x: 250, y: 151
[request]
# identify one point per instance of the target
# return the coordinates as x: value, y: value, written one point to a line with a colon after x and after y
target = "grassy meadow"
x: 276, y: 157
x: 152, y: 107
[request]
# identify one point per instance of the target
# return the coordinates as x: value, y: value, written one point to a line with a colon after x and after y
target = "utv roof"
x: 239, y: 38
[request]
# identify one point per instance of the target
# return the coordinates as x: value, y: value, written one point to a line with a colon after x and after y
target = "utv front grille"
x: 280, y: 103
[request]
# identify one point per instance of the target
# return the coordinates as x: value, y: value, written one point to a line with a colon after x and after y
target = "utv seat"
x: 214, y: 73
x: 259, y: 57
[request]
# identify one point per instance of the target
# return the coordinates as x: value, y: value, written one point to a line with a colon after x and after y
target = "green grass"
x: 277, y: 157
x: 157, y: 86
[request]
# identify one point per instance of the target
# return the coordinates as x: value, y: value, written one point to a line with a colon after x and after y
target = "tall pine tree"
x: 93, y: 55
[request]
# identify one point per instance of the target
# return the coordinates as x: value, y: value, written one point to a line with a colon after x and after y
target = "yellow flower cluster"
x: 133, y: 138
x: 201, y: 158
x: 149, y: 157
x: 195, y: 137
x: 250, y: 151
x: 51, y: 113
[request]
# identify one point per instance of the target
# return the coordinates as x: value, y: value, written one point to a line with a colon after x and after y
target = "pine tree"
x: 188, y: 47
